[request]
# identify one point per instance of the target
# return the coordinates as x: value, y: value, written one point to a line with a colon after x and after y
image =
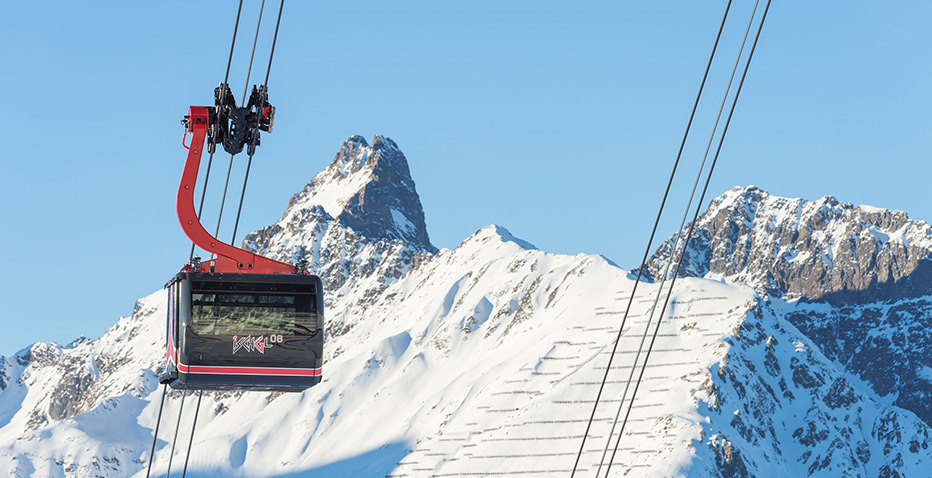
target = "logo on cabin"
x: 250, y: 344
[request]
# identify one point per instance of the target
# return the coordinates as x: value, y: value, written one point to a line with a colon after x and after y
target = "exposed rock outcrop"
x: 823, y: 249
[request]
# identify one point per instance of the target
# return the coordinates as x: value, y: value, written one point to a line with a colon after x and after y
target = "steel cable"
x: 252, y: 55
x: 155, y: 433
x: 197, y: 408
x: 171, y: 455
x: 242, y: 196
x: 672, y: 257
x: 210, y: 157
x: 278, y: 22
x: 650, y: 241
x: 265, y: 84
x: 223, y: 199
x: 692, y: 224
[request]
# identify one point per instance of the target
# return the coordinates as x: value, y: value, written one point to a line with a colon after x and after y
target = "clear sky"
x: 557, y: 120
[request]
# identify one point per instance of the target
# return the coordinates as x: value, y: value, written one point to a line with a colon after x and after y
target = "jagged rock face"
x: 369, y: 189
x: 886, y: 344
x: 347, y: 262
x: 780, y: 408
x: 76, y: 378
x: 358, y: 224
x: 823, y: 249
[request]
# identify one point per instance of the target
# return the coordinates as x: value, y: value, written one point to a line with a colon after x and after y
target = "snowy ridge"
x: 484, y: 360
x: 73, y: 411
x: 818, y: 249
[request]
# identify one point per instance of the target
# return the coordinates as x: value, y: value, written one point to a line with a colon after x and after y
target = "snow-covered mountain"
x: 874, y: 266
x: 823, y: 249
x: 484, y: 360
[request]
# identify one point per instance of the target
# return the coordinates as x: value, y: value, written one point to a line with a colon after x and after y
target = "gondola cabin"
x: 244, y: 331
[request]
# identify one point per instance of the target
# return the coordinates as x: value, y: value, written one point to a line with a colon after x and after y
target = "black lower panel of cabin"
x: 190, y: 381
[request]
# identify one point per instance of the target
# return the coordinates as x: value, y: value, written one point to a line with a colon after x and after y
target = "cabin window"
x: 227, y: 309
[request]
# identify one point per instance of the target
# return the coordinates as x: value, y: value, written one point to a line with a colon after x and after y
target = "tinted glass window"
x: 268, y: 310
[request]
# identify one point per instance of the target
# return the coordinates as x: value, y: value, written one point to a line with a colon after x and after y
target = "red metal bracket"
x: 229, y: 258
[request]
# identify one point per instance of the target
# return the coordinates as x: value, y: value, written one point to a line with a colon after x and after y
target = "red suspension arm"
x: 229, y: 258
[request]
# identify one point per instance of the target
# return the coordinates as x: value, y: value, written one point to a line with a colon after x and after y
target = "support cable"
x: 252, y: 55
x: 650, y: 241
x: 210, y: 157
x: 223, y: 198
x: 278, y: 22
x: 676, y: 243
x: 226, y: 183
x: 197, y: 408
x: 692, y: 224
x: 268, y: 70
x: 155, y: 434
x: 175, y: 438
x: 242, y: 196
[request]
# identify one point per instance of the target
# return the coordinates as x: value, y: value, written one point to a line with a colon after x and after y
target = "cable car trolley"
x: 240, y: 321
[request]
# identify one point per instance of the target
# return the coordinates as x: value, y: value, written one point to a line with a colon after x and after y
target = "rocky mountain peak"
x: 358, y: 223
x: 369, y: 189
x: 822, y: 249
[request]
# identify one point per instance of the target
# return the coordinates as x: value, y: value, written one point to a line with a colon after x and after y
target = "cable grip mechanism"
x: 238, y: 127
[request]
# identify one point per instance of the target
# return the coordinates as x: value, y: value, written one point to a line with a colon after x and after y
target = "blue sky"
x: 557, y: 120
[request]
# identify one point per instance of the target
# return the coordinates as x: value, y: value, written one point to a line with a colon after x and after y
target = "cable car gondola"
x: 240, y: 321
x: 245, y: 331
